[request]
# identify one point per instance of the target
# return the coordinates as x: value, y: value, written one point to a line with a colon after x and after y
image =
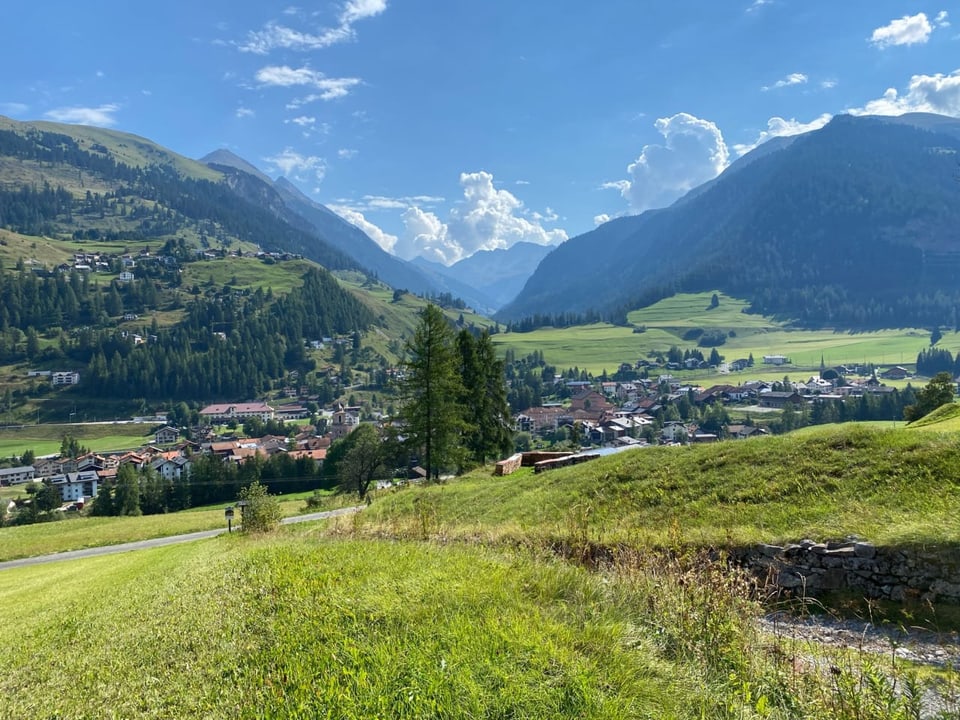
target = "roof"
x: 225, y: 408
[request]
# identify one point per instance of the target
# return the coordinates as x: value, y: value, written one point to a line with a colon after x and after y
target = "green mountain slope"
x: 852, y: 225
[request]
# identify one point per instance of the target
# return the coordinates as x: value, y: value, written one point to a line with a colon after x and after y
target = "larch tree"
x: 432, y: 389
x: 487, y: 431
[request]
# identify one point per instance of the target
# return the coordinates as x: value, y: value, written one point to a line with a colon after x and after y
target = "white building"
x: 78, y: 485
x: 17, y: 475
x: 64, y: 377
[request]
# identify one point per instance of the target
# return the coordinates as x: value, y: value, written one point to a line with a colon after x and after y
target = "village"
x: 598, y: 414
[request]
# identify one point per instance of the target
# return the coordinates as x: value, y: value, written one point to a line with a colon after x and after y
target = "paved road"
x: 158, y: 542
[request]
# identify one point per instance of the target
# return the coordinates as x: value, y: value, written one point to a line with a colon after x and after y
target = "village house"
x: 172, y: 468
x: 76, y: 485
x: 17, y: 475
x: 166, y: 435
x: 780, y: 399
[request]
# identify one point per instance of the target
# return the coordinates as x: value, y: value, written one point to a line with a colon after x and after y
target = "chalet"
x: 895, y: 373
x: 588, y: 399
x: 64, y: 377
x: 166, y: 435
x: 742, y: 432
x: 175, y: 468
x: 17, y: 475
x: 46, y: 466
x: 780, y: 399
x: 76, y: 485
x: 237, y: 411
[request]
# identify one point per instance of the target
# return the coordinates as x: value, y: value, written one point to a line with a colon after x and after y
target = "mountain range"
x: 853, y: 225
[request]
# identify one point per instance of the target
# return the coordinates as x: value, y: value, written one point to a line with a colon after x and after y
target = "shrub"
x: 262, y: 510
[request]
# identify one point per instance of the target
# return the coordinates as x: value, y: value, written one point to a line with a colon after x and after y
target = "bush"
x: 262, y: 510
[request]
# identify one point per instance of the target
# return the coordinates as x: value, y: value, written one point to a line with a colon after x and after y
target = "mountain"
x: 853, y: 225
x: 72, y: 181
x: 497, y: 275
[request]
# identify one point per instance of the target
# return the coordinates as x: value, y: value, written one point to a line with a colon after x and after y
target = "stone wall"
x: 905, y: 573
x: 553, y: 463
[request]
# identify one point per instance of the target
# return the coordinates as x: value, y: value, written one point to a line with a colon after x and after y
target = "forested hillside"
x: 851, y: 226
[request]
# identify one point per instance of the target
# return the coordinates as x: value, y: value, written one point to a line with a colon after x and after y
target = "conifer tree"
x: 431, y: 411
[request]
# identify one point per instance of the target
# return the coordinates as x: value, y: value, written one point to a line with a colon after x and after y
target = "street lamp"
x: 228, y: 514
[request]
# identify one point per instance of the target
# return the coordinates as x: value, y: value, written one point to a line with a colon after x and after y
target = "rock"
x: 865, y: 550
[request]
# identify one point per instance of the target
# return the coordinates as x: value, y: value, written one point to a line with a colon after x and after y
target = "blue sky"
x: 442, y: 127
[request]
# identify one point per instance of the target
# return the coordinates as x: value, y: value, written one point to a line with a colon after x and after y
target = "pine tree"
x: 431, y: 411
x: 484, y: 400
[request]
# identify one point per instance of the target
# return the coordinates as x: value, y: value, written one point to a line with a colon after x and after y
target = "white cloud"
x: 828, y: 84
x: 13, y: 108
x: 275, y: 36
x: 791, y: 79
x: 380, y: 202
x: 601, y: 219
x: 693, y: 152
x: 360, y: 9
x: 908, y: 30
x: 374, y: 232
x: 925, y: 93
x: 303, y: 121
x: 286, y: 76
x: 757, y: 4
x: 941, y: 19
x: 243, y: 112
x: 486, y: 219
x: 101, y: 116
x: 778, y: 127
x: 346, y: 153
x: 300, y: 167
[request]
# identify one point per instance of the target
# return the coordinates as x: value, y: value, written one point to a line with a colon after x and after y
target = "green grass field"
x: 45, y: 439
x: 603, y: 347
x: 251, y: 628
x: 889, y: 486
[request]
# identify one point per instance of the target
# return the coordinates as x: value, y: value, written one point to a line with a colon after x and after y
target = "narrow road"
x: 158, y: 542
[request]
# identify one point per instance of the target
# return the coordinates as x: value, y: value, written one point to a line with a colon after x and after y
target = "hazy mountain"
x: 852, y: 225
x: 497, y: 275
x: 441, y: 278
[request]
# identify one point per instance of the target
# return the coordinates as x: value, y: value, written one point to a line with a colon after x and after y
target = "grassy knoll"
x: 890, y: 486
x: 246, y: 274
x: 603, y: 347
x: 46, y: 438
x: 256, y: 628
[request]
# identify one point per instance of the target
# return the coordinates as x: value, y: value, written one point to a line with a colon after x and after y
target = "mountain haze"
x: 853, y: 225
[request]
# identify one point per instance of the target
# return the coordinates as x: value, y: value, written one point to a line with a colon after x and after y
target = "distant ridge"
x: 853, y: 225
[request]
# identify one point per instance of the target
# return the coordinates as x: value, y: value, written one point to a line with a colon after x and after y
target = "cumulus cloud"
x: 791, y: 79
x: 941, y: 19
x: 290, y: 163
x: 374, y: 232
x: 908, y: 30
x: 485, y: 219
x: 601, y: 219
x: 286, y: 76
x: 275, y: 35
x: 101, y: 116
x: 779, y: 127
x: 937, y: 93
x: 692, y: 153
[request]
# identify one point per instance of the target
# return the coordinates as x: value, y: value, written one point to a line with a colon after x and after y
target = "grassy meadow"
x: 45, y: 439
x: 889, y: 486
x: 602, y: 346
